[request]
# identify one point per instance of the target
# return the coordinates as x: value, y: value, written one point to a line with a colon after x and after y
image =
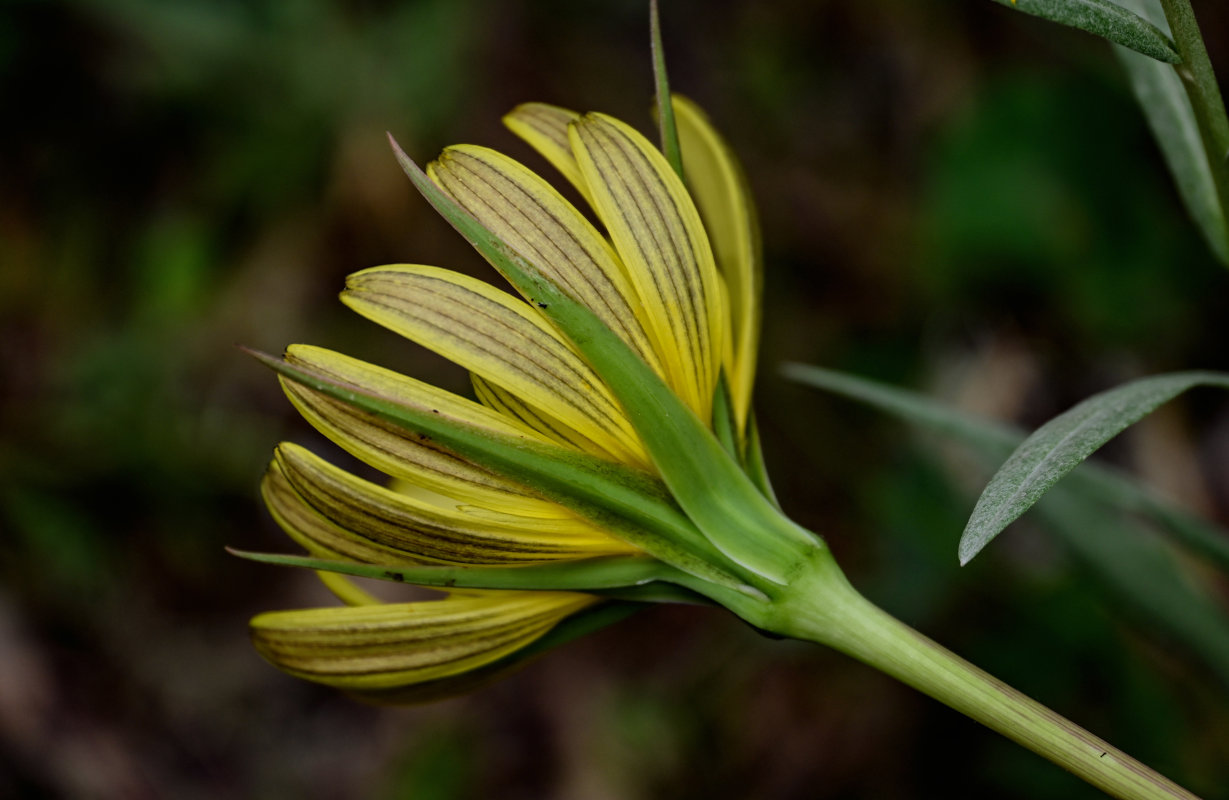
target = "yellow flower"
x: 673, y: 274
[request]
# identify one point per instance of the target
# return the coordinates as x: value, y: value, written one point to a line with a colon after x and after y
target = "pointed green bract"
x: 531, y: 217
x: 661, y: 81
x: 629, y: 505
x: 501, y: 338
x: 1105, y: 19
x: 586, y: 575
x: 658, y: 233
x: 393, y: 525
x: 396, y: 452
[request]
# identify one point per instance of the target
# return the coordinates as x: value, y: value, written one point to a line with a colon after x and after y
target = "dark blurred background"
x: 955, y: 198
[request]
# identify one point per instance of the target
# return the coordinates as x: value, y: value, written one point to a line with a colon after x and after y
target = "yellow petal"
x: 382, y: 647
x: 545, y: 128
x: 370, y: 517
x: 511, y: 406
x: 534, y: 220
x: 311, y: 530
x: 661, y: 241
x: 314, y: 533
x: 500, y: 338
x: 719, y: 187
x: 396, y: 452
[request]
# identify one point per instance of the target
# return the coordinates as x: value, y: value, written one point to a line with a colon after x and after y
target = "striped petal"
x: 661, y: 240
x: 383, y: 647
x: 378, y: 525
x: 500, y: 338
x: 394, y: 451
x: 534, y: 220
x: 719, y: 187
x: 511, y: 406
x: 312, y: 531
x: 545, y: 129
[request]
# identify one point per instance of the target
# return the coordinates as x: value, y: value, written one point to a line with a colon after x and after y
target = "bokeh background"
x: 955, y: 198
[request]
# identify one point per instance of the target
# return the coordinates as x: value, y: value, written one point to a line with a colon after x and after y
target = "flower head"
x: 610, y: 455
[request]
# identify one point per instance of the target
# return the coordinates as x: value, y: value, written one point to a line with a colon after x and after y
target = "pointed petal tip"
x: 268, y: 359
x: 250, y: 555
x: 408, y: 165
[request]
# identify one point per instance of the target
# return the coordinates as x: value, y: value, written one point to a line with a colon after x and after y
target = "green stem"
x: 1199, y: 79
x: 821, y: 606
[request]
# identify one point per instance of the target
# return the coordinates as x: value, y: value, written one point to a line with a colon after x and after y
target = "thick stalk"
x: 1199, y: 79
x: 821, y: 606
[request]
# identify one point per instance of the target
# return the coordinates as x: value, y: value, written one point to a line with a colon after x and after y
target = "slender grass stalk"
x: 1199, y: 79
x: 823, y: 607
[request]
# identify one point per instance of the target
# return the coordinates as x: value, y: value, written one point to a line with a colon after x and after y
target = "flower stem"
x: 1199, y: 79
x: 821, y: 606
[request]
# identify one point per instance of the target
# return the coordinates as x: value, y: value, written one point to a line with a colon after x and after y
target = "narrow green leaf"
x: 996, y: 441
x: 1171, y: 117
x: 608, y: 494
x: 709, y: 485
x: 1061, y: 444
x: 665, y: 110
x: 1105, y: 19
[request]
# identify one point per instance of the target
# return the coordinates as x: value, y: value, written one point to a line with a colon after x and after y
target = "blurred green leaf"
x: 995, y: 441
x: 442, y: 764
x: 1061, y: 444
x: 1171, y: 117
x: 1105, y: 19
x: 1020, y: 220
x: 1145, y: 571
x: 57, y: 537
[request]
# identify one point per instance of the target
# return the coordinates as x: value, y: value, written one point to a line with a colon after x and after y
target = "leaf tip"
x: 968, y: 548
